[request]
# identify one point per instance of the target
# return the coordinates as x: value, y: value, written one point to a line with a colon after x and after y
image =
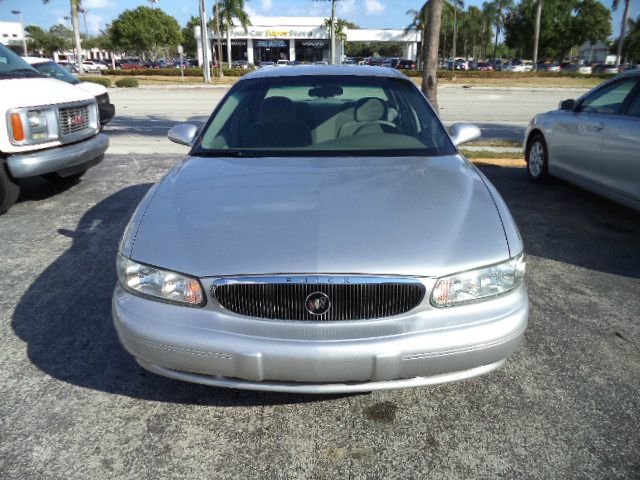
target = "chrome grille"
x: 73, y: 120
x: 351, y: 298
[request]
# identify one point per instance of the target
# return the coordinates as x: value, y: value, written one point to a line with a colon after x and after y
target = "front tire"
x: 57, y: 178
x: 9, y: 190
x: 538, y: 159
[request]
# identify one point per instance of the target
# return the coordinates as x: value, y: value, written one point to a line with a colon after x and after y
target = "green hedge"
x: 127, y: 82
x: 495, y: 74
x: 175, y: 72
x: 105, y: 82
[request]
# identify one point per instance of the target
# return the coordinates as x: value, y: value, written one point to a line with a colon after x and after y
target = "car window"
x: 325, y: 115
x: 609, y: 99
x: 12, y: 66
x: 53, y: 70
x: 634, y: 107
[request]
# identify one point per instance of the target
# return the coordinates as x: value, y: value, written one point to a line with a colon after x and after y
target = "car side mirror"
x: 464, y: 133
x: 184, y: 134
x: 568, y: 105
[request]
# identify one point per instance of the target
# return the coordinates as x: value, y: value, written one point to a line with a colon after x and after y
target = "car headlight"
x: 162, y: 285
x: 479, y: 284
x: 30, y: 126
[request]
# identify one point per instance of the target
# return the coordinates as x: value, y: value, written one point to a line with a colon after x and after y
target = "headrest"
x: 370, y: 110
x: 277, y: 109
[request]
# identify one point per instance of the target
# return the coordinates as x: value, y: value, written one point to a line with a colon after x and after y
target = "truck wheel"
x: 56, y: 178
x: 9, y: 191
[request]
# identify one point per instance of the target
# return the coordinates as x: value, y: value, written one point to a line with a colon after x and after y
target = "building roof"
x: 323, y: 70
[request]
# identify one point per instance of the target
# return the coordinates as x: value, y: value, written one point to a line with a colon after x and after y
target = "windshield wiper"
x: 227, y: 153
x: 21, y: 72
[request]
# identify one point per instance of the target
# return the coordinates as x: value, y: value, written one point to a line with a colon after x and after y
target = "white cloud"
x: 346, y: 7
x: 373, y: 7
x: 95, y: 23
x: 97, y: 4
x: 266, y: 5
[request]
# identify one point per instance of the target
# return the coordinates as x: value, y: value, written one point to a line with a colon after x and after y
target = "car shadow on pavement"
x: 65, y: 319
x: 565, y: 223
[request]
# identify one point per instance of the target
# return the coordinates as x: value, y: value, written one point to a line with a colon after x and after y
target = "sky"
x: 365, y: 13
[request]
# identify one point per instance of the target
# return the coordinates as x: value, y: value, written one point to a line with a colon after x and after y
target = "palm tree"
x: 455, y: 5
x: 431, y: 43
x: 227, y: 12
x: 75, y: 7
x: 536, y: 36
x: 498, y: 9
x: 623, y: 27
x: 418, y: 22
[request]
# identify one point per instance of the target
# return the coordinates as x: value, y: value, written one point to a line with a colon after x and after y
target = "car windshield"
x: 321, y: 115
x: 12, y: 66
x: 53, y: 70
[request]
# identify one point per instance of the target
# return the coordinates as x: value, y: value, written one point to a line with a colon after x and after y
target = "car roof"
x: 35, y: 60
x: 325, y: 70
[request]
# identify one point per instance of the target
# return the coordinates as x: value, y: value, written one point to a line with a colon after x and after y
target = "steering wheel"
x: 367, y: 125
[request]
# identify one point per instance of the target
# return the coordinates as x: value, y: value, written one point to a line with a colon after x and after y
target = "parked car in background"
x: 610, y: 69
x: 593, y: 142
x: 52, y: 70
x: 47, y: 128
x: 378, y: 256
x: 485, y: 67
x: 406, y: 64
x: 267, y: 64
x: 91, y: 66
x: 321, y: 62
x: 131, y: 64
x: 157, y: 64
x: 519, y: 66
x: 282, y: 63
x: 244, y: 64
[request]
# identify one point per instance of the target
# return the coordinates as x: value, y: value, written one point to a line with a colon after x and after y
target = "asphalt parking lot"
x: 74, y: 405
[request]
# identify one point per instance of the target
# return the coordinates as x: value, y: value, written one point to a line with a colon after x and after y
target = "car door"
x: 578, y: 135
x: 620, y: 165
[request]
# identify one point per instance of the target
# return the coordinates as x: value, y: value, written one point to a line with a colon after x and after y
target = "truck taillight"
x: 16, y: 127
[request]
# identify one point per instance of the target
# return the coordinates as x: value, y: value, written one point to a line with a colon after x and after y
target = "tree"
x: 145, y: 30
x: 230, y: 10
x: 633, y: 41
x: 498, y: 9
x: 623, y: 26
x: 455, y: 5
x: 189, y: 37
x: 102, y: 41
x: 57, y: 38
x: 340, y: 26
x: 431, y: 41
x: 565, y: 24
x: 536, y: 35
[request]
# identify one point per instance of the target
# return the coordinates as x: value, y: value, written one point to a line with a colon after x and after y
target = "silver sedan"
x: 593, y: 142
x: 323, y: 235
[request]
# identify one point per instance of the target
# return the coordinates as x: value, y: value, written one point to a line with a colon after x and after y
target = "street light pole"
x: 24, y: 38
x: 204, y: 38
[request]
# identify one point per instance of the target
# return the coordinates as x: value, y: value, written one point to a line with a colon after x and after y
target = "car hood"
x: 94, y: 89
x: 35, y: 92
x: 405, y: 216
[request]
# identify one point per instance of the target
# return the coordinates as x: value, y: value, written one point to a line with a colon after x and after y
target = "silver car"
x: 593, y: 142
x: 323, y: 235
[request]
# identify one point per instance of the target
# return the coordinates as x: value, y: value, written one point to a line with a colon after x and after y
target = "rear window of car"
x: 317, y: 115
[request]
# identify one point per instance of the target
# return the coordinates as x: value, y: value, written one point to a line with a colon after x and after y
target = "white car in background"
x: 90, y: 66
x: 519, y: 66
x: 282, y: 63
x: 51, y: 69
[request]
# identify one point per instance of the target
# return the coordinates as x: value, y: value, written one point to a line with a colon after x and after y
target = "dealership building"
x: 11, y: 35
x: 300, y: 38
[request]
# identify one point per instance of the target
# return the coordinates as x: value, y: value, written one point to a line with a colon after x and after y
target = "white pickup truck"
x: 47, y: 127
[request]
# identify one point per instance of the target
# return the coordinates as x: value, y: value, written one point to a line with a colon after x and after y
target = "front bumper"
x: 107, y: 112
x: 64, y: 157
x: 193, y: 344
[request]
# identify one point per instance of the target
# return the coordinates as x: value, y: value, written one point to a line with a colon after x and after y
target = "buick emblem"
x: 317, y: 303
